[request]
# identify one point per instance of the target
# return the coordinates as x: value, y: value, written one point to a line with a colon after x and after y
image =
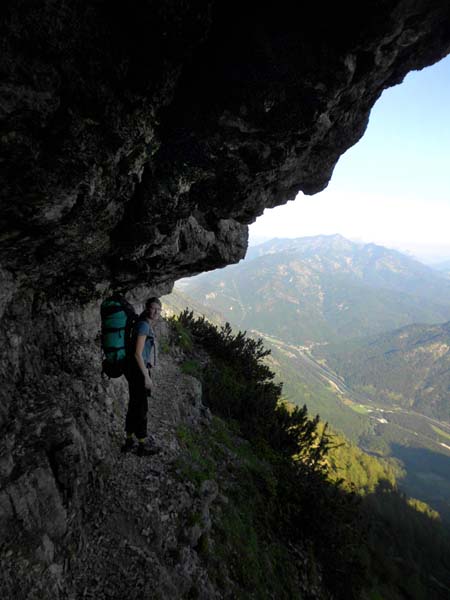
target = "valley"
x: 358, y: 333
x: 421, y: 443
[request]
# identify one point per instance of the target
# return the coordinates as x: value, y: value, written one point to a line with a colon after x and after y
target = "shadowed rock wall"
x: 137, y: 143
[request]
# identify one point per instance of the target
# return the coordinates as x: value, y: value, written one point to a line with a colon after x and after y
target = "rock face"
x: 137, y: 144
x: 81, y: 519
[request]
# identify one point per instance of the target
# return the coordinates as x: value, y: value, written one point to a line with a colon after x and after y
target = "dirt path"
x: 134, y: 542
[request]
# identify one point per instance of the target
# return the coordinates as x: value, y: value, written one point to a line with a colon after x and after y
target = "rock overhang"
x: 139, y: 144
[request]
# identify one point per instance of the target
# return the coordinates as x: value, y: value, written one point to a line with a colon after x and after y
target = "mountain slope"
x: 402, y: 539
x: 420, y: 443
x: 443, y: 268
x: 409, y: 367
x: 305, y: 381
x: 324, y: 288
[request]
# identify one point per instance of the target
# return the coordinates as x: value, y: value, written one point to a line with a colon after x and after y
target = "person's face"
x: 154, y: 311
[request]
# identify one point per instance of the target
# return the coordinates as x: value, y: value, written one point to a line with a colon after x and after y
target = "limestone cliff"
x: 137, y: 142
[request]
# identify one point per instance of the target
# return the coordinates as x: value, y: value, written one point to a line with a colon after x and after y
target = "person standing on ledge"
x: 141, y: 360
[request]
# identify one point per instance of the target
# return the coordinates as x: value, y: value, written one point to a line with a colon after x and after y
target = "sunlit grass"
x: 440, y: 432
x: 360, y: 408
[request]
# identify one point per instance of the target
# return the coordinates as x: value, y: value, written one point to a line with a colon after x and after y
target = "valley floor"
x: 420, y: 442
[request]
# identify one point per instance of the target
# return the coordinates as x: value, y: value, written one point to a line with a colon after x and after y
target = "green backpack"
x: 118, y: 318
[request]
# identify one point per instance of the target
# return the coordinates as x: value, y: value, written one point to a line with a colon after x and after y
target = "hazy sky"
x: 393, y: 186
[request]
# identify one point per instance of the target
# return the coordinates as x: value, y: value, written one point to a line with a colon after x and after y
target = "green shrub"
x: 364, y: 545
x: 181, y: 334
x: 164, y: 346
x: 300, y: 502
x: 196, y: 465
x: 191, y: 367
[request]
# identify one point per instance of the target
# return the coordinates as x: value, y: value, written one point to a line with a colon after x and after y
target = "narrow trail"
x: 133, y: 541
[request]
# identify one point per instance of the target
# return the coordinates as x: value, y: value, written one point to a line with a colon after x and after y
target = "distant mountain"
x: 371, y: 264
x: 177, y: 302
x: 306, y: 245
x: 409, y: 367
x: 420, y: 443
x: 322, y: 289
x: 443, y: 268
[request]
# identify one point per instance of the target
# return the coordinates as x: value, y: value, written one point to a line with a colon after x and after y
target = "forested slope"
x: 361, y: 529
x: 409, y: 367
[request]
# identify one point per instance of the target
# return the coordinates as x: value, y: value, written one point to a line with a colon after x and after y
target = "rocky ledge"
x: 133, y: 527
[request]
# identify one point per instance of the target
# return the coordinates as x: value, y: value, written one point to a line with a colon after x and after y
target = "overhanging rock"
x: 131, y: 136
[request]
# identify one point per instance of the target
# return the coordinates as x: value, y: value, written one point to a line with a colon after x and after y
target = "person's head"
x: 153, y: 308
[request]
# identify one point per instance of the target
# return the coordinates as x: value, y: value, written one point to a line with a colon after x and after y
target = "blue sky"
x: 393, y: 186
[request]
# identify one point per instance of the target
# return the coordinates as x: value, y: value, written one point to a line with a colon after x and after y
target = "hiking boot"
x: 127, y: 446
x: 147, y: 448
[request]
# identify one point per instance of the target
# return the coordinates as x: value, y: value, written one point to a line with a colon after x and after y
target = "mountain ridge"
x: 326, y: 288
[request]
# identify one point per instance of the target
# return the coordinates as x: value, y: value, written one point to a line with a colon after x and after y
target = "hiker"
x: 138, y: 373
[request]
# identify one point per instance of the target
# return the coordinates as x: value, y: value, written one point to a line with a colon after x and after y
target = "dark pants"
x: 136, y: 419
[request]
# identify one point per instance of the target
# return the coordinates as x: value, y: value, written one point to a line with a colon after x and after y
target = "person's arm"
x: 140, y: 341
